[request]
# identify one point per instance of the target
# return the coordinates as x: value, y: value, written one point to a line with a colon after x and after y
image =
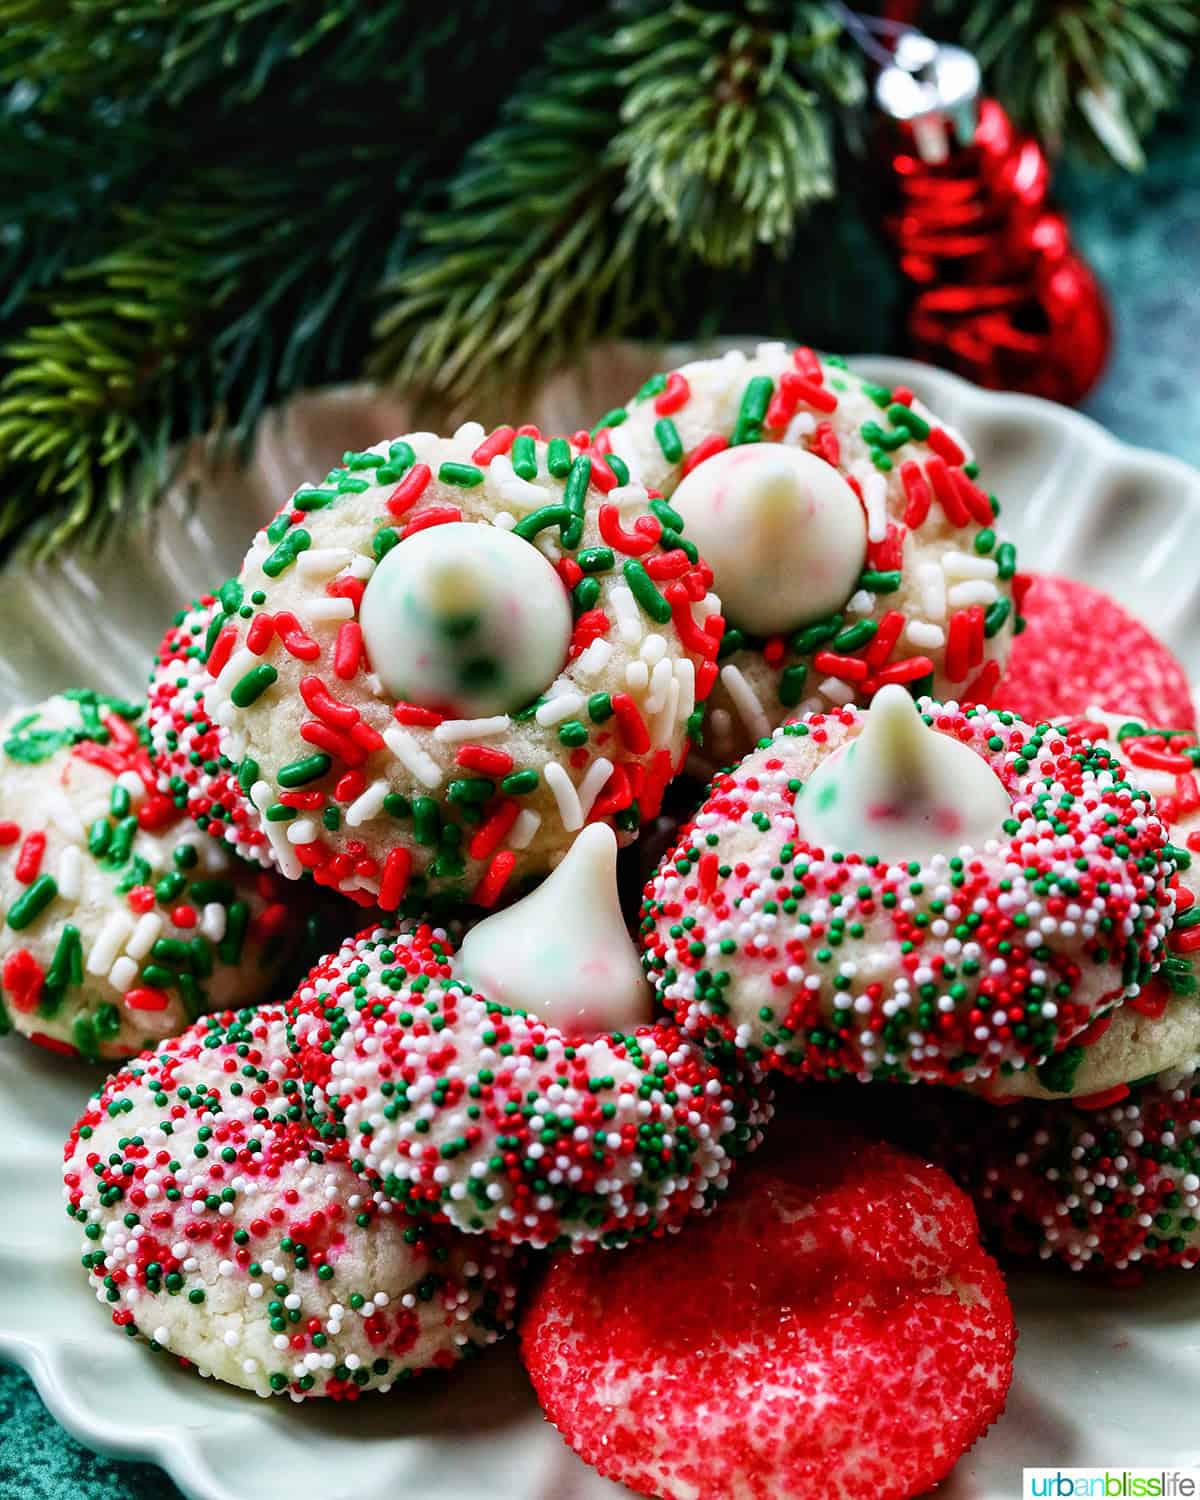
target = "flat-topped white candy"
x: 466, y: 617
x: 783, y: 532
x: 902, y: 790
x: 563, y: 953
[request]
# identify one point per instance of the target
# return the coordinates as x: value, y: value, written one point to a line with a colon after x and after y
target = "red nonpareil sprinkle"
x: 222, y: 650
x: 918, y: 493
x: 296, y: 641
x: 634, y: 734
x: 9, y: 833
x: 911, y: 669
x: 348, y: 650
x: 674, y: 395
x: 436, y: 515
x: 774, y: 650
x: 22, y: 978
x: 485, y: 759
x: 885, y: 638
x: 849, y: 668
x: 409, y: 490
x: 29, y: 860
x: 141, y: 898
x: 156, y: 812
x: 903, y: 395
x: 146, y: 998
x: 397, y: 868
x: 261, y: 633
x: 944, y: 446
x: 488, y: 837
x: 413, y: 713
x: 499, y: 441
x: 319, y: 701
x: 590, y: 626
x: 705, y: 448
x: 495, y: 878
x: 645, y: 534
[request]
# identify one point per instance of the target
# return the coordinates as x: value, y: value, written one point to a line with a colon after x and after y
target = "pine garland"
x: 209, y: 206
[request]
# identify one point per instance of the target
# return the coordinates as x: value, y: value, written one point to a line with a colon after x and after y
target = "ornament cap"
x: 935, y: 89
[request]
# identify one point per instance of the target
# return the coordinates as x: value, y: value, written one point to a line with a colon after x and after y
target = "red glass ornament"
x: 998, y: 292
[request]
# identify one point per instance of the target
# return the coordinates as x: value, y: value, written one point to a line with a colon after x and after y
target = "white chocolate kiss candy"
x: 902, y: 790
x: 467, y: 618
x: 563, y: 953
x: 783, y: 532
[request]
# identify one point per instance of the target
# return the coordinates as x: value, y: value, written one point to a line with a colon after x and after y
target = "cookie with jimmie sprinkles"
x: 455, y: 1106
x: 184, y: 741
x: 833, y: 1329
x: 120, y: 921
x: 220, y: 1230
x: 1108, y: 1188
x: 450, y: 655
x: 929, y: 895
x: 851, y: 542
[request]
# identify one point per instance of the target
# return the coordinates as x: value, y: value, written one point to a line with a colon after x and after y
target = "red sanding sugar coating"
x: 834, y: 1330
x: 1080, y: 649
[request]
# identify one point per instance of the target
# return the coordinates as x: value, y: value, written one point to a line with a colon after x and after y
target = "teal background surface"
x: 1142, y: 235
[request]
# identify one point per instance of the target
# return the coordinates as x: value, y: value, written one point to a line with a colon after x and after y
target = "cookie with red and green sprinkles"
x: 184, y: 742
x: 851, y: 541
x: 959, y: 896
x: 120, y: 921
x: 221, y: 1231
x: 1158, y: 1028
x: 833, y: 1329
x: 1112, y: 1187
x: 450, y: 655
x: 454, y: 1106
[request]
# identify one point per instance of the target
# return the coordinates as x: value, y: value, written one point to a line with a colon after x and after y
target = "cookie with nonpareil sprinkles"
x: 1079, y: 647
x: 901, y: 894
x: 1107, y: 1187
x: 217, y: 1227
x: 456, y: 1106
x: 184, y: 742
x: 1159, y: 1027
x: 851, y: 542
x: 450, y: 655
x: 121, y: 921
x: 833, y: 1329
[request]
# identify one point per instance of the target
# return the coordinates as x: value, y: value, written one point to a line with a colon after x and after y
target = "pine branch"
x: 222, y: 300
x: 531, y: 258
x: 1089, y: 75
x: 727, y: 132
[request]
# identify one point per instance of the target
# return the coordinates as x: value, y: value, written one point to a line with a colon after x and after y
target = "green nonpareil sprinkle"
x: 643, y: 589
x: 524, y: 457
x: 248, y: 689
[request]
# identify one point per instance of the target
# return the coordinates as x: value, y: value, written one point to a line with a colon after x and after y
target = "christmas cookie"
x: 850, y: 542
x: 1103, y: 1188
x: 834, y: 1329
x: 1159, y: 1027
x: 452, y: 654
x: 1078, y: 648
x: 218, y: 1228
x: 454, y: 1105
x: 916, y: 895
x: 121, y: 921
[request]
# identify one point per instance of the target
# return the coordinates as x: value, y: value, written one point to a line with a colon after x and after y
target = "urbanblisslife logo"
x: 1111, y: 1484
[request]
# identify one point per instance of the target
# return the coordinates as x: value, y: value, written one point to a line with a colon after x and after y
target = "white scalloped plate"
x: 1102, y: 1377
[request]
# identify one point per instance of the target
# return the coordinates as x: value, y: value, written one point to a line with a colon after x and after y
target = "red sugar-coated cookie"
x: 1079, y: 648
x: 834, y: 1329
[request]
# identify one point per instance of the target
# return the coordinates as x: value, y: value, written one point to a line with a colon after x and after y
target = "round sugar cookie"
x: 851, y: 541
x: 121, y: 921
x: 1078, y: 648
x: 219, y: 1229
x: 453, y: 1105
x: 986, y: 946
x: 444, y: 660
x: 833, y: 1329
